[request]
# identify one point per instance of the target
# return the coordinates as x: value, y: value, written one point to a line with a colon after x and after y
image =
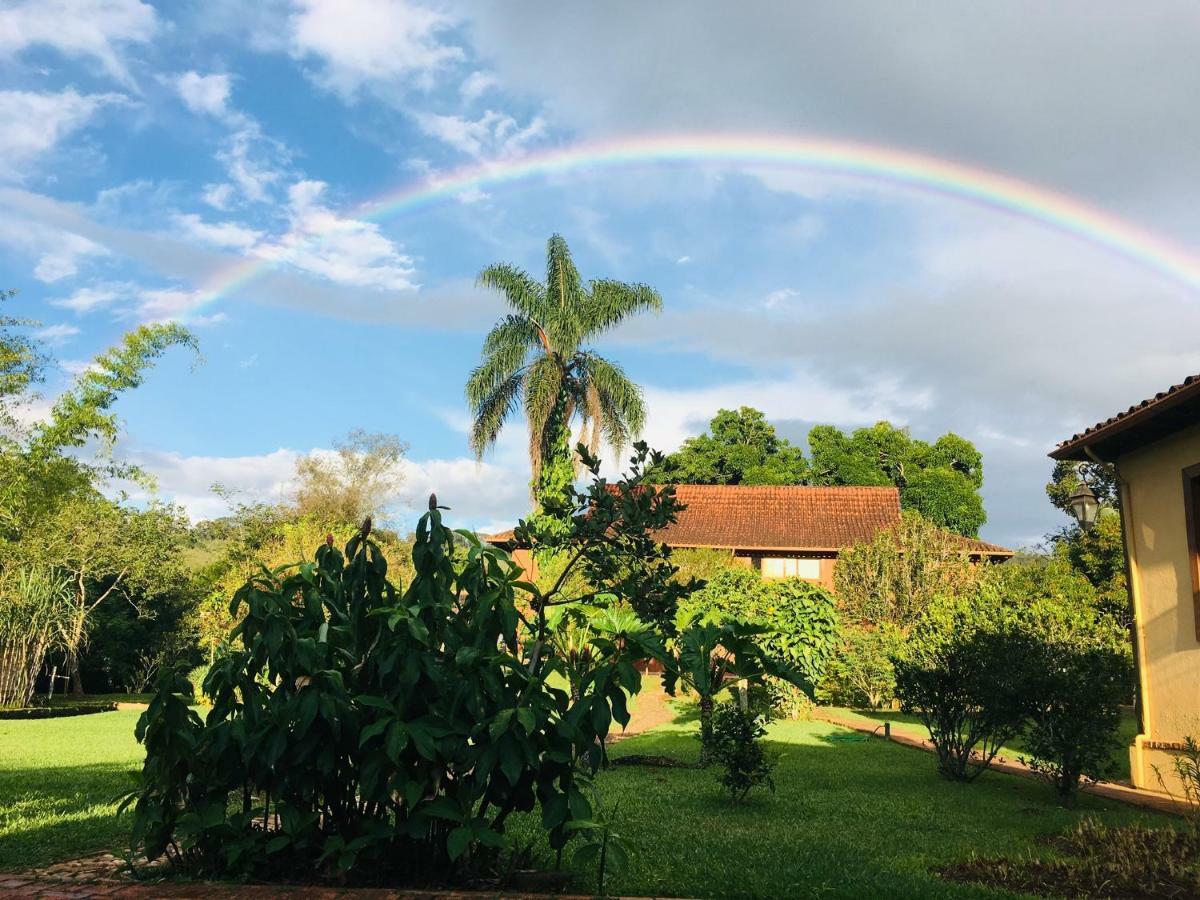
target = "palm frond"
x: 609, y: 302
x: 492, y: 411
x: 543, y: 391
x: 516, y: 286
x: 623, y: 410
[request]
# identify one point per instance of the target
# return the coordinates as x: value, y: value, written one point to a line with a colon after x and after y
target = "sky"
x: 228, y: 166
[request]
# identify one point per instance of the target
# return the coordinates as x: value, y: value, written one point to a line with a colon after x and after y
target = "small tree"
x: 862, y: 673
x: 359, y: 479
x: 737, y: 746
x: 1083, y: 675
x: 895, y: 575
x: 968, y: 671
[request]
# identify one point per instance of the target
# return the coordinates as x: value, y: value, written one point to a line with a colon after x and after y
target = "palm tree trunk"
x: 706, y: 729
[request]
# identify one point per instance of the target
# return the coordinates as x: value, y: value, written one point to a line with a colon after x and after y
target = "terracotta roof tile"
x: 781, y: 518
x: 1122, y: 420
x: 792, y: 518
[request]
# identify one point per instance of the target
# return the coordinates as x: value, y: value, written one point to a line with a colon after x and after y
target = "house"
x: 793, y: 531
x: 1155, y: 449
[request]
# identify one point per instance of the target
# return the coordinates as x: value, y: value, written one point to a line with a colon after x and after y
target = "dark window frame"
x: 1191, y: 505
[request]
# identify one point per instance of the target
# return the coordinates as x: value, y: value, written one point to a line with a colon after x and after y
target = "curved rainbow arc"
x: 910, y: 171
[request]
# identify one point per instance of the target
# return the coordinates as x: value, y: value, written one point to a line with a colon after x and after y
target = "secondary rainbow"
x: 899, y: 168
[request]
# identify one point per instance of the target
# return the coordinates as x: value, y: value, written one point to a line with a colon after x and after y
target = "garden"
x: 325, y: 700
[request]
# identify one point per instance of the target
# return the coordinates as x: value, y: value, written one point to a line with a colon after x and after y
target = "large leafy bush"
x: 968, y: 672
x: 1083, y: 675
x: 797, y: 621
x: 861, y: 673
x: 357, y: 728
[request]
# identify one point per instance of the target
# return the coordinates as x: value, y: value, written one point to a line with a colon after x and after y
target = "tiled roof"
x: 1136, y: 416
x: 780, y: 518
x: 784, y: 519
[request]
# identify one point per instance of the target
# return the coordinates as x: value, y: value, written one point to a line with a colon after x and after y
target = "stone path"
x: 915, y: 736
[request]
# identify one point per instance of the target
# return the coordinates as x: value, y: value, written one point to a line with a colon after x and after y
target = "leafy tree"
x: 22, y: 361
x: 899, y: 572
x: 862, y: 673
x: 1068, y: 475
x: 968, y: 671
x: 741, y: 447
x: 357, y: 481
x: 1083, y: 676
x: 737, y: 746
x: 51, y: 512
x: 939, y: 480
x: 536, y: 359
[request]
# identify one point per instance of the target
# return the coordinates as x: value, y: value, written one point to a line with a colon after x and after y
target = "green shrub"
x: 861, y: 673
x: 354, y: 726
x: 1083, y: 674
x: 737, y: 746
x: 968, y: 671
x: 798, y: 620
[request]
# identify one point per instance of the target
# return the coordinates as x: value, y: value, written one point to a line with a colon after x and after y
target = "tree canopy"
x: 941, y: 480
x: 740, y: 447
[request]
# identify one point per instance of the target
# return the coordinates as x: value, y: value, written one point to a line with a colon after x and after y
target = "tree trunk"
x: 706, y: 729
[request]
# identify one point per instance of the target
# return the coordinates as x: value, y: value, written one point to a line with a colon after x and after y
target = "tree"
x: 740, y: 448
x: 536, y: 360
x: 357, y: 481
x: 106, y: 550
x: 22, y: 362
x: 52, y: 514
x: 939, y: 480
x: 894, y: 576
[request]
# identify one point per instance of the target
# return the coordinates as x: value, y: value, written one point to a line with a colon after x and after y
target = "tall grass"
x: 35, y: 611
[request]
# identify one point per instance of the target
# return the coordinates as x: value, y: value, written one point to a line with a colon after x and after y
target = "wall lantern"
x: 1084, y: 506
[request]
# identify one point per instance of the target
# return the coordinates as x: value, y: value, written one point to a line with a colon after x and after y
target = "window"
x: 791, y: 567
x: 1191, y: 502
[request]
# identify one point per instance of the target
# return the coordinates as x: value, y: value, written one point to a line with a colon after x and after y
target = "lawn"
x: 1126, y: 732
x: 58, y: 781
x: 864, y: 818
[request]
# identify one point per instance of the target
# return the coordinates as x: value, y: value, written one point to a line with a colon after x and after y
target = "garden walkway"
x: 916, y: 736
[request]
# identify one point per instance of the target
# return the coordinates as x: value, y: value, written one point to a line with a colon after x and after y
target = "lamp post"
x: 1084, y: 506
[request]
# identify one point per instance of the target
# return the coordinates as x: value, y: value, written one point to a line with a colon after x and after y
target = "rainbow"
x: 885, y: 165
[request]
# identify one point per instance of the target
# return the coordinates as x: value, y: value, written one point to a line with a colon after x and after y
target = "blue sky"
x: 144, y: 149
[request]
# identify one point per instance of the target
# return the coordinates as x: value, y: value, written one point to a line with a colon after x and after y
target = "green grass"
x: 858, y: 819
x: 1126, y: 732
x: 58, y: 781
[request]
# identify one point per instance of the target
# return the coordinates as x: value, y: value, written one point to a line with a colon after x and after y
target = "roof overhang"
x: 1150, y: 421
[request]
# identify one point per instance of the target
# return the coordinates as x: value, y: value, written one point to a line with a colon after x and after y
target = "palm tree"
x: 535, y: 358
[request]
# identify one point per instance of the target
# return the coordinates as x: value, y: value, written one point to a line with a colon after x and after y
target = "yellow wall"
x: 1169, y: 654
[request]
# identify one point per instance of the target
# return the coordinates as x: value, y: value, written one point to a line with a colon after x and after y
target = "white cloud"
x: 493, y: 134
x: 78, y: 28
x: 172, y: 304
x: 479, y: 494
x: 683, y: 260
x: 218, y: 196
x: 87, y: 299
x: 228, y: 235
x: 207, y: 94
x: 346, y: 251
x: 254, y: 162
x: 476, y: 85
x: 31, y: 124
x: 58, y: 253
x: 56, y: 334
x: 385, y: 43
x: 779, y: 297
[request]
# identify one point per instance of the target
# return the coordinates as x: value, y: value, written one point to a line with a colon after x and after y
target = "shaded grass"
x: 58, y: 782
x: 1126, y: 732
